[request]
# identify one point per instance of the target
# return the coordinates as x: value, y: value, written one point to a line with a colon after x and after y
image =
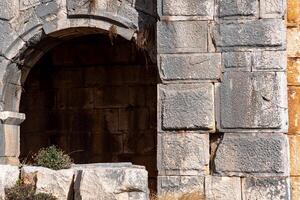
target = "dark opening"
x: 95, y: 100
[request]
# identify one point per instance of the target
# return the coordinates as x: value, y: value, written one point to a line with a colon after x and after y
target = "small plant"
x: 25, y: 192
x: 53, y: 158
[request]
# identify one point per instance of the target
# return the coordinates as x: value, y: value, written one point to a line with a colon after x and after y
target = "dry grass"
x: 196, y: 195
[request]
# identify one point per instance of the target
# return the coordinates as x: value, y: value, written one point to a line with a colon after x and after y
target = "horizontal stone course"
x: 205, y: 66
x: 186, y: 107
x: 272, y: 8
x: 253, y: 100
x: 238, y: 8
x: 252, y: 154
x: 183, y: 153
x: 182, y: 36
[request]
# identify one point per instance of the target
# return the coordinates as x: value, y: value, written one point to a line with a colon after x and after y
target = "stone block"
x: 295, y: 187
x: 9, y: 140
x: 56, y: 182
x: 183, y: 153
x: 182, y: 36
x: 188, y: 8
x: 8, y: 9
x: 186, y: 107
x: 235, y: 35
x: 9, y: 175
x: 275, y: 188
x: 293, y: 71
x: 293, y: 14
x: 111, y: 182
x: 238, y: 8
x: 239, y: 61
x: 255, y: 100
x: 7, y: 37
x: 294, y: 106
x: 269, y: 61
x: 205, y: 66
x: 249, y: 154
x: 272, y: 8
x: 294, y: 155
x: 179, y: 184
x: 222, y: 188
x: 26, y: 4
x: 293, y: 38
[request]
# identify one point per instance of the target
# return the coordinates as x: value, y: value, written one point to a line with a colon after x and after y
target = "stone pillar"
x: 223, y: 71
x: 10, y: 137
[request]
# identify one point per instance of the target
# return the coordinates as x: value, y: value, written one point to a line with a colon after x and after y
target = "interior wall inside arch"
x: 94, y: 98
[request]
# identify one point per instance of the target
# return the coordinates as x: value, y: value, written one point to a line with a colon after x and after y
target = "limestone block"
x: 188, y: 8
x: 293, y: 71
x: 238, y: 8
x: 111, y: 182
x: 222, y: 188
x: 253, y: 100
x: 7, y: 36
x: 9, y: 140
x: 239, y: 61
x: 269, y: 61
x: 182, y: 36
x: 293, y: 14
x: 293, y: 44
x: 56, y: 182
x: 248, y: 154
x: 186, y: 106
x: 180, y: 184
x: 272, y: 8
x: 8, y: 9
x: 185, y: 153
x: 294, y: 155
x: 26, y: 4
x: 242, y: 35
x: 205, y: 66
x: 295, y: 187
x: 294, y: 106
x: 266, y: 188
x: 9, y: 175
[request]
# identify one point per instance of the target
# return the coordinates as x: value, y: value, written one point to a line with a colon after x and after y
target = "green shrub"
x: 25, y: 192
x: 53, y: 158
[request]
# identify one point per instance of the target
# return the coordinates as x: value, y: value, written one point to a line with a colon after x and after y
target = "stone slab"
x: 188, y: 8
x: 205, y: 66
x: 8, y: 9
x: 182, y: 36
x: 238, y: 8
x: 255, y: 100
x: 237, y: 61
x: 252, y: 154
x: 293, y: 71
x: 222, y: 188
x: 272, y: 8
x: 242, y: 35
x: 293, y: 38
x: 179, y: 184
x: 294, y: 141
x: 269, y: 61
x: 294, y: 105
x: 186, y: 107
x: 184, y: 153
x: 276, y: 188
x: 9, y: 140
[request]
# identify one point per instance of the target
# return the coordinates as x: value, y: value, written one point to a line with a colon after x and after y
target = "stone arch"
x: 37, y: 28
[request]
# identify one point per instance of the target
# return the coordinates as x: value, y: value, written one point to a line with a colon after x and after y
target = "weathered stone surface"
x: 222, y: 188
x: 58, y: 183
x: 8, y: 9
x: 240, y: 61
x: 9, y: 175
x: 111, y: 183
x: 188, y: 8
x: 182, y: 36
x: 26, y: 4
x: 269, y: 61
x: 186, y: 106
x: 9, y: 140
x: 266, y: 188
x: 206, y: 66
x: 253, y: 100
x: 238, y: 8
x: 184, y: 153
x: 293, y: 71
x: 293, y: 14
x: 295, y: 187
x: 293, y: 38
x: 294, y: 106
x: 248, y: 154
x: 179, y: 184
x: 294, y: 141
x: 242, y: 35
x: 7, y: 36
x: 272, y: 8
